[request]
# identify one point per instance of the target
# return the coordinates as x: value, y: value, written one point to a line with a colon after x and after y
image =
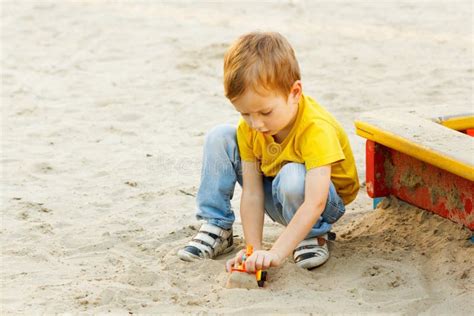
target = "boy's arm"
x: 316, y: 192
x: 252, y: 204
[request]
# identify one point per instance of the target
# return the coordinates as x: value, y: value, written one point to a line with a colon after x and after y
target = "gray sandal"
x: 311, y: 252
x: 210, y: 242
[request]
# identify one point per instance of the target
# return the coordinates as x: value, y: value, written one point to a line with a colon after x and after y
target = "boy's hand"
x: 259, y: 260
x: 262, y: 260
x: 234, y: 262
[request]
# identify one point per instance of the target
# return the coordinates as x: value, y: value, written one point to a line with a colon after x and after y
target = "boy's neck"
x: 282, y: 134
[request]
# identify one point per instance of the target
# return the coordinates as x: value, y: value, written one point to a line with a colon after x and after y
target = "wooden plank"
x: 422, y: 139
x: 458, y: 122
x: 375, y: 171
x: 390, y: 172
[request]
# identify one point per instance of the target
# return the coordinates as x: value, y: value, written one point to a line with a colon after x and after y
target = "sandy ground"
x: 104, y: 110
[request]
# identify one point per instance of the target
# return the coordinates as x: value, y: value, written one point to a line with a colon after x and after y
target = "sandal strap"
x: 205, y: 249
x: 206, y: 238
x: 316, y: 241
x: 308, y: 256
x: 212, y: 229
x: 311, y: 245
x: 317, y: 251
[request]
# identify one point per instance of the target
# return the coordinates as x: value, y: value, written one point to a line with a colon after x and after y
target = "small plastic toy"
x: 240, y: 277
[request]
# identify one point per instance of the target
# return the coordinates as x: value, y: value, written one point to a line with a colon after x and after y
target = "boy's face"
x: 269, y: 114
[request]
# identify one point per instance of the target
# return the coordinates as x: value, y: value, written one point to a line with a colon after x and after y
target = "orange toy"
x: 240, y: 277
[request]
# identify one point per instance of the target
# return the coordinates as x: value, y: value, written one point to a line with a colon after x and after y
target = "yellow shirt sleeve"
x: 244, y: 142
x: 320, y: 145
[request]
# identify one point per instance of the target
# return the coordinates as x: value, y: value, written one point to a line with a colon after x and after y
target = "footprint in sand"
x: 378, y: 277
x: 43, y: 228
x: 139, y: 276
x: 29, y: 209
x: 42, y: 167
x: 35, y: 216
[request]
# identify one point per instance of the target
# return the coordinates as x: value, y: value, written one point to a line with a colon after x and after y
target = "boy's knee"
x: 221, y: 134
x: 291, y: 180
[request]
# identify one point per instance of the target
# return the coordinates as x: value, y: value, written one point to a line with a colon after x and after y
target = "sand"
x: 104, y: 110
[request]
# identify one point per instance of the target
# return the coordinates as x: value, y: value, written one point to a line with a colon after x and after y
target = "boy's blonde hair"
x: 261, y: 61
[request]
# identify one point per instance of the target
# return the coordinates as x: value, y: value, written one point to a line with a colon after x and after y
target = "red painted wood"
x: 370, y: 167
x: 375, y: 171
x: 420, y: 184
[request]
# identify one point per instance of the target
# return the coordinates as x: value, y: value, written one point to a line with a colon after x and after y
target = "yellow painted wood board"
x: 457, y: 122
x: 422, y: 138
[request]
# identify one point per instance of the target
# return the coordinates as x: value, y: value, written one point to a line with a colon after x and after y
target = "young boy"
x: 291, y: 157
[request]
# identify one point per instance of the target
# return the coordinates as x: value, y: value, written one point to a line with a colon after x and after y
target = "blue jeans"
x: 284, y: 193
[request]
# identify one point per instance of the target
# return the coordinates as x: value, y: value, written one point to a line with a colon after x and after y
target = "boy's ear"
x: 296, y: 91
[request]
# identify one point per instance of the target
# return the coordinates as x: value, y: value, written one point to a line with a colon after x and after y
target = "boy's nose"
x: 256, y: 123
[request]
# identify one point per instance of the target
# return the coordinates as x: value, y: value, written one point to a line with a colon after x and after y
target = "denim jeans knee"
x: 285, y: 194
x: 335, y: 207
x: 289, y: 184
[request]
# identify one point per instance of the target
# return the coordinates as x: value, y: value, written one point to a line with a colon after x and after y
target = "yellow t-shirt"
x: 316, y: 139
